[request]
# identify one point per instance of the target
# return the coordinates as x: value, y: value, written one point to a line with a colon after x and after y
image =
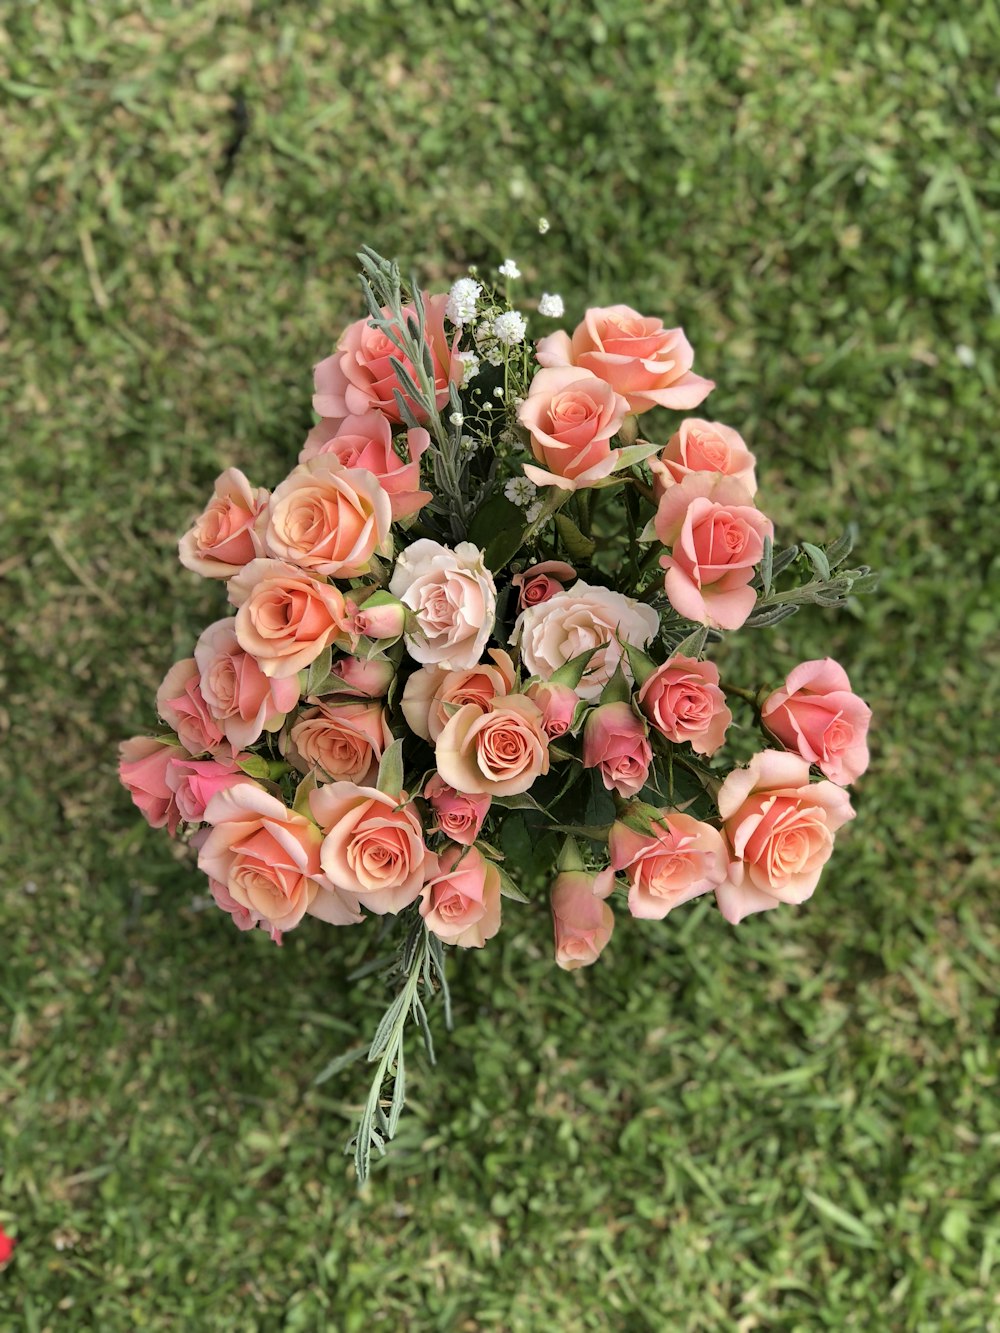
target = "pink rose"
x: 553, y: 633
x: 582, y: 922
x: 241, y: 699
x: 359, y: 377
x: 328, y: 519
x: 268, y: 859
x: 181, y: 704
x: 460, y: 815
x: 684, y: 702
x: 366, y: 442
x: 703, y: 446
x: 646, y: 363
x: 223, y: 539
x: 285, y: 618
x: 570, y: 416
x: 243, y: 918
x: 454, y: 598
x: 433, y: 693
x: 614, y: 742
x: 373, y: 845
x: 195, y: 781
x: 499, y: 753
x: 717, y: 536
x: 541, y: 582
x: 461, y: 902
x: 143, y: 764
x: 817, y: 714
x: 780, y: 828
x: 677, y: 860
x: 344, y: 741
x: 558, y: 704
x: 369, y: 677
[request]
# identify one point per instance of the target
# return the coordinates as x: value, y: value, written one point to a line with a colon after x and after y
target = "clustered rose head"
x: 684, y: 702
x: 223, y: 539
x: 571, y: 416
x: 454, y: 599
x: 365, y: 443
x: 818, y: 715
x: 703, y: 446
x: 461, y: 901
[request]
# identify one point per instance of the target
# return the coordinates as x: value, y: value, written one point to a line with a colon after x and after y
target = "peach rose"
x: 195, y: 781
x: 143, y: 764
x: 499, y: 753
x: 553, y: 633
x: 268, y: 859
x: 373, y: 845
x: 461, y: 902
x: 684, y: 702
x: 581, y: 921
x: 817, y: 714
x: 558, y: 704
x: 222, y: 540
x: 432, y: 693
x: 614, y: 742
x: 717, y: 537
x: 242, y: 917
x: 344, y: 741
x: 242, y: 700
x: 541, y: 582
x: 359, y: 377
x: 703, y: 446
x: 678, y: 859
x: 366, y: 442
x: 328, y: 519
x: 368, y: 677
x: 285, y: 618
x: 780, y: 828
x: 460, y: 816
x: 181, y: 704
x: 570, y: 416
x: 382, y: 617
x: 640, y: 359
x: 454, y: 598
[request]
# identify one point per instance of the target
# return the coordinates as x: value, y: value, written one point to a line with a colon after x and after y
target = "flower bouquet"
x: 467, y: 660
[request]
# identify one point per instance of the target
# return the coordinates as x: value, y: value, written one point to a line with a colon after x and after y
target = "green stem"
x: 740, y: 692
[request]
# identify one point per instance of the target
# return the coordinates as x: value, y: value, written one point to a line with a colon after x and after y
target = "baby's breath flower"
x: 494, y: 355
x: 468, y: 445
x: 498, y: 392
x: 456, y: 418
x: 551, y: 305
x: 533, y: 510
x: 508, y: 269
x: 470, y: 367
x: 462, y: 298
x: 543, y: 226
x: 965, y: 356
x: 520, y: 491
x: 510, y: 327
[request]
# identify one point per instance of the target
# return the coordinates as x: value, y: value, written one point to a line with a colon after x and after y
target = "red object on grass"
x: 7, y: 1244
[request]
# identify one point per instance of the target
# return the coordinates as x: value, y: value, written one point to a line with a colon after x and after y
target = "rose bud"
x: 541, y: 582
x: 381, y: 617
x: 581, y: 921
x: 369, y: 678
x: 459, y: 814
x: 558, y: 704
x: 143, y: 763
x: 614, y: 742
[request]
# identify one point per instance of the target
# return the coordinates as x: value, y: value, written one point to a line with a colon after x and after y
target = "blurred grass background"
x: 792, y: 1125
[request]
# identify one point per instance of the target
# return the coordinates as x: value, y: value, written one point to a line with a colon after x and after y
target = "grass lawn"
x: 792, y: 1125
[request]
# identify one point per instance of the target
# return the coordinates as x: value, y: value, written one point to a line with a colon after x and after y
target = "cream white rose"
x: 554, y: 632
x: 454, y: 598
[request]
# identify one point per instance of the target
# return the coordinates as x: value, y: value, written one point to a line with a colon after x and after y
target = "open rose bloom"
x: 477, y: 647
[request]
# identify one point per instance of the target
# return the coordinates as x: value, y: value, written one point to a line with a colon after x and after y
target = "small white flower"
x: 551, y: 305
x: 470, y: 367
x: 456, y: 418
x: 510, y: 327
x: 543, y: 226
x: 462, y: 298
x: 508, y: 269
x: 494, y: 355
x: 965, y: 356
x: 533, y: 510
x: 468, y: 445
x: 498, y: 392
x: 520, y: 491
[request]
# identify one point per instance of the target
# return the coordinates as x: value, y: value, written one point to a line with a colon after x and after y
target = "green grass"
x: 788, y: 1126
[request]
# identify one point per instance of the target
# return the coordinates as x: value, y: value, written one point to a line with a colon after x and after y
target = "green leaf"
x: 316, y: 673
x: 641, y: 663
x: 841, y: 1218
x: 572, y: 672
x: 390, y: 770
x: 636, y: 453
x: 498, y: 515
x: 591, y: 832
x: 818, y: 560
x: 767, y: 567
x: 254, y: 766
x: 838, y: 551
x: 579, y: 547
x: 508, y: 888
x: 339, y: 1063
x: 487, y: 849
x: 693, y: 645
